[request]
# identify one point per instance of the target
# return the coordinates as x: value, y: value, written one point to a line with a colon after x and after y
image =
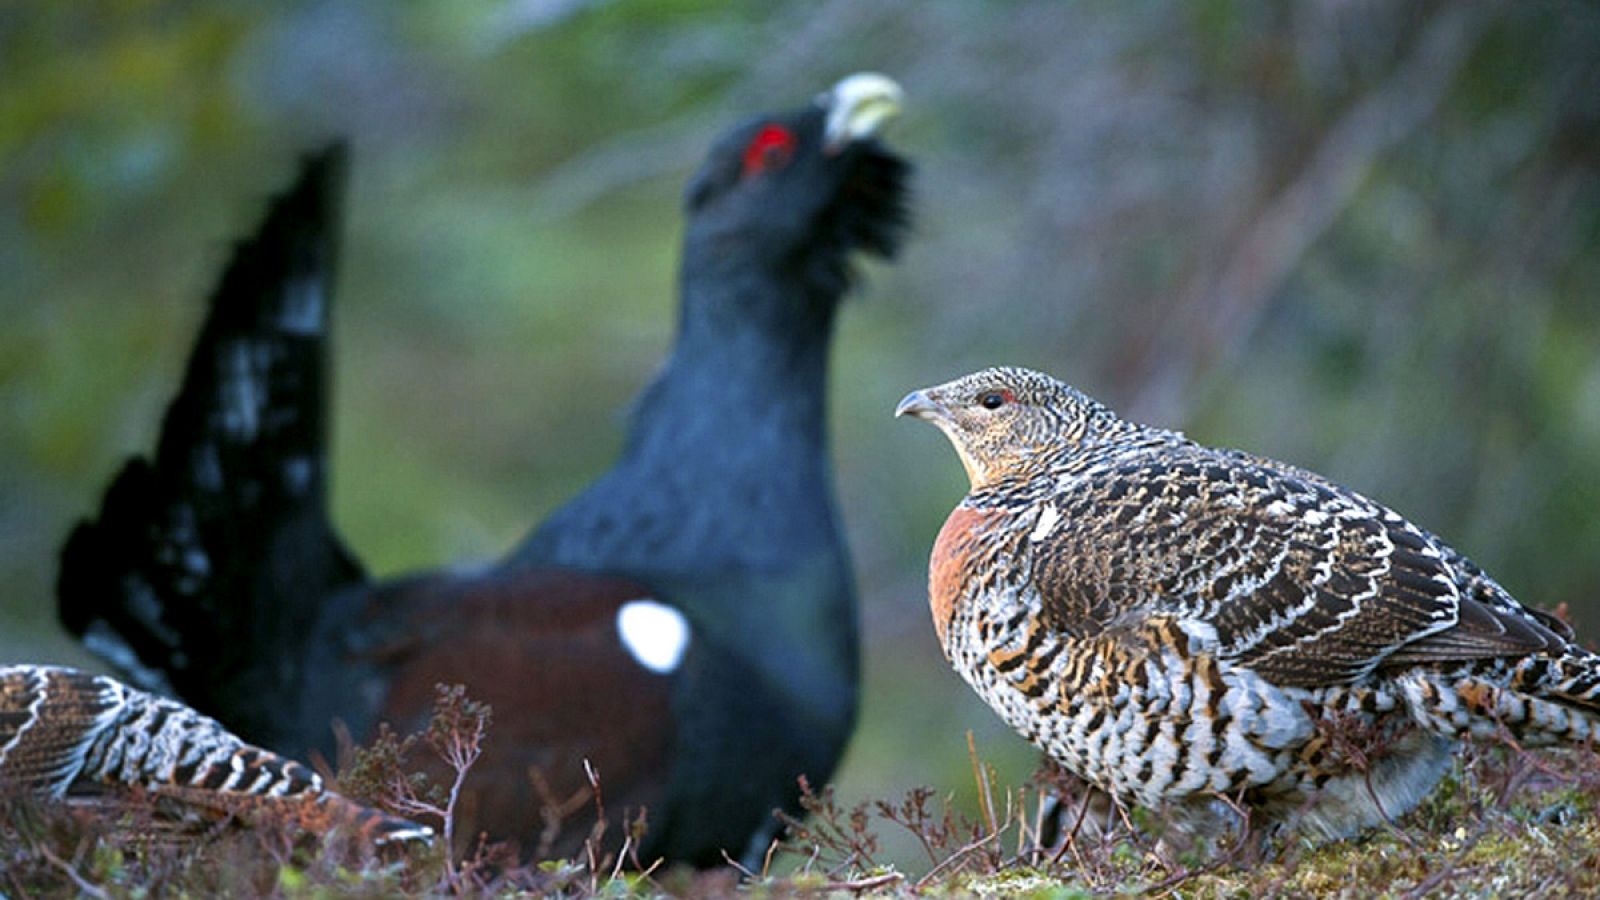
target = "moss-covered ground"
x: 1504, y: 823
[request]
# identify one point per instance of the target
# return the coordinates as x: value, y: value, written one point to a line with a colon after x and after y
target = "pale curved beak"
x: 918, y: 404
x: 858, y: 107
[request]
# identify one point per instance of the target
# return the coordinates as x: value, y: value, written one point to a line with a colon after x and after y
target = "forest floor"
x: 1504, y: 823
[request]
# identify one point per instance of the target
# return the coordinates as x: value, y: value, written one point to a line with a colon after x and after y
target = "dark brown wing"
x: 543, y: 649
x: 1304, y: 581
x: 1491, y: 621
x: 48, y: 716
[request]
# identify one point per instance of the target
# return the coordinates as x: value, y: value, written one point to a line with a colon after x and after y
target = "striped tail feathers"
x: 1571, y: 678
x: 204, y: 570
x: 1538, y: 700
x: 89, y: 741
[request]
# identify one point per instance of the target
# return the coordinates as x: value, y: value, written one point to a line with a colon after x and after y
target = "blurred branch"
x: 1219, y: 310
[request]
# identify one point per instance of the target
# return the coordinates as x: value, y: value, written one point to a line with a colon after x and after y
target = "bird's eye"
x: 994, y: 399
x: 772, y: 145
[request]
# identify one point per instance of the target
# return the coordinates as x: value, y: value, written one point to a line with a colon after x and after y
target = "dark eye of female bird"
x: 992, y: 400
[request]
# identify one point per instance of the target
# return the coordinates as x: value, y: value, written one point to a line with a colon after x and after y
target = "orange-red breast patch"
x: 948, y: 567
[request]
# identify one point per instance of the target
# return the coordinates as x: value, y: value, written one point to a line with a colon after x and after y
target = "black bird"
x: 687, y: 624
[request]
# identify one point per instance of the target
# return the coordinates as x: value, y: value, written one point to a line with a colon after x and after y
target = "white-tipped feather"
x: 655, y: 634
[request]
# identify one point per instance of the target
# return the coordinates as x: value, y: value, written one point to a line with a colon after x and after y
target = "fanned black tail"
x: 205, y: 571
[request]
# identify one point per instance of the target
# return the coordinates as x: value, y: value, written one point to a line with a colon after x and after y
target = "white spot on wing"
x: 1047, y: 524
x: 1280, y: 509
x: 656, y: 634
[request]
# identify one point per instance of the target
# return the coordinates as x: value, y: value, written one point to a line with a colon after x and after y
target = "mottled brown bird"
x: 88, y: 741
x: 1175, y: 623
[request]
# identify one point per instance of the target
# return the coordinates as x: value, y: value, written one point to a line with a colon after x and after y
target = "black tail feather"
x: 206, y: 569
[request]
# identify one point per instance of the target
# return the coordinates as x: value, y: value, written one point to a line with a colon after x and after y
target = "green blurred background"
x: 1363, y: 237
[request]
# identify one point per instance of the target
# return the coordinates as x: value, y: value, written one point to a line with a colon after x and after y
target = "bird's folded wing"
x: 1305, y: 582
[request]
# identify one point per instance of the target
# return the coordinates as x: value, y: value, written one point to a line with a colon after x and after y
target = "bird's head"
x: 802, y: 190
x: 1003, y: 421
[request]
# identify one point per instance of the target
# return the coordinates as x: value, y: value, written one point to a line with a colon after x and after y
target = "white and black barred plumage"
x: 1173, y: 622
x: 88, y: 740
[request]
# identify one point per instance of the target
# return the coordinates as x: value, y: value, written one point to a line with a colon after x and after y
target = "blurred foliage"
x: 1360, y: 236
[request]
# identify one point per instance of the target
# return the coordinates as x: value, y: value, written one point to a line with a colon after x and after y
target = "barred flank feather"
x: 90, y: 740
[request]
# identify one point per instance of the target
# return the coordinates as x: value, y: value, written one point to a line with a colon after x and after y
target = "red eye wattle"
x: 772, y: 144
